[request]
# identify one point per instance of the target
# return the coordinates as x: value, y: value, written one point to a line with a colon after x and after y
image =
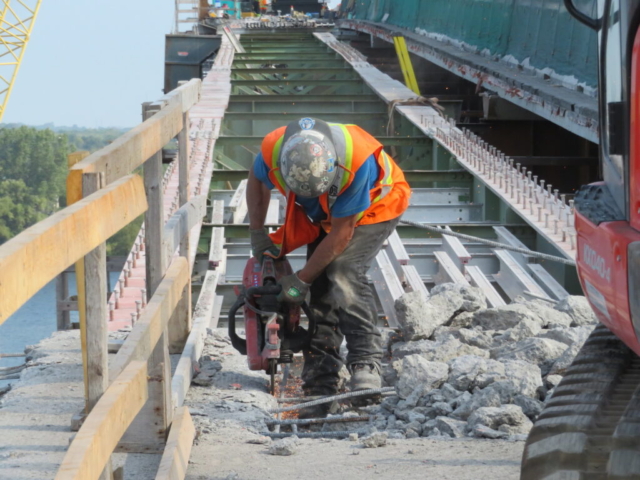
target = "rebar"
x: 332, y: 398
x: 310, y: 398
x: 312, y: 421
x: 313, y: 434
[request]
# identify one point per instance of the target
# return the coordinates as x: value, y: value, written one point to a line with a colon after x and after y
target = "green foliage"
x: 18, y: 208
x: 39, y: 160
x: 33, y: 168
x: 121, y: 242
x: 33, y: 171
x: 92, y: 140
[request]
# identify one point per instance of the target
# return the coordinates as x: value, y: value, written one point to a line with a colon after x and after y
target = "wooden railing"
x: 135, y: 411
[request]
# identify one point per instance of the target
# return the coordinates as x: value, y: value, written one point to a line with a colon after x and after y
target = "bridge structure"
x: 181, y: 274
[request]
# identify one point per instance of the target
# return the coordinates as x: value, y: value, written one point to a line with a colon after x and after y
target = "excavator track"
x: 590, y: 428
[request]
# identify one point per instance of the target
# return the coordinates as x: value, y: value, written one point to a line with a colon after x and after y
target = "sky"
x: 92, y: 64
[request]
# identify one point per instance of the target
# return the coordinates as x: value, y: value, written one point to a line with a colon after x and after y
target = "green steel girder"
x: 305, y: 109
x: 288, y: 71
x: 229, y: 165
x: 273, y: 50
x: 301, y: 76
x: 301, y: 89
x: 293, y: 63
x: 294, y: 83
x: 345, y: 117
x: 252, y: 58
x: 259, y: 104
x: 307, y: 98
x: 482, y: 230
x: 247, y: 140
x: 271, y: 37
x: 412, y: 176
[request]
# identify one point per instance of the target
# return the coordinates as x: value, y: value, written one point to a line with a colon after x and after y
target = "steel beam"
x: 478, y: 279
x: 284, y: 99
x: 291, y: 63
x: 482, y: 230
x: 275, y: 83
x: 387, y: 285
x: 547, y: 282
x: 259, y: 57
x: 448, y: 272
x: 289, y: 71
x: 412, y: 176
x: 514, y: 279
x: 248, y: 140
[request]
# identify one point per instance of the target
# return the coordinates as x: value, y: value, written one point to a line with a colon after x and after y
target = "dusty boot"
x: 364, y: 376
x: 322, y: 410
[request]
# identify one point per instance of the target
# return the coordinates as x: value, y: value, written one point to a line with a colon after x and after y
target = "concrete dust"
x: 459, y: 459
x: 230, y: 416
x: 35, y: 416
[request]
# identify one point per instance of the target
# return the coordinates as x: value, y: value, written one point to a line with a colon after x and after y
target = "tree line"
x: 33, y: 172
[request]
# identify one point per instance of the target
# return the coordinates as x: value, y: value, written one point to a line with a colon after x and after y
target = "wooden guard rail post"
x: 52, y: 245
x: 181, y: 325
x: 142, y: 146
x: 104, y: 197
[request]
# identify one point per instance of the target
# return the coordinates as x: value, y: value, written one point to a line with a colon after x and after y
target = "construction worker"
x: 345, y: 196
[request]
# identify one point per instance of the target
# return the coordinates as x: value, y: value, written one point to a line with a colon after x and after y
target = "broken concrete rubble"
x: 436, y: 351
x: 467, y: 369
x: 505, y: 418
x: 420, y: 316
x: 538, y: 351
x: 578, y: 309
x: 507, y: 359
x: 416, y: 371
x: 485, y: 372
x: 503, y: 318
x: 375, y: 440
x: 284, y: 447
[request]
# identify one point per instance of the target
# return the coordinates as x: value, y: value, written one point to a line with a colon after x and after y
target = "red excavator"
x: 590, y: 427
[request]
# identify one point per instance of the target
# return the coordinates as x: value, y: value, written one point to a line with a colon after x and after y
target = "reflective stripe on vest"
x: 344, y: 142
x: 275, y: 163
x: 386, y: 184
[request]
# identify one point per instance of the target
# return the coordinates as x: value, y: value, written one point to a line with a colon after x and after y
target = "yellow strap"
x: 405, y: 64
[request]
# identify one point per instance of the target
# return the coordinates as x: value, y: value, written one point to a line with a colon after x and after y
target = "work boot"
x: 364, y: 376
x: 322, y: 410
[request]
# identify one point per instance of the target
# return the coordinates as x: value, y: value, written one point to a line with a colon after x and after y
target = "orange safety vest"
x: 389, y: 196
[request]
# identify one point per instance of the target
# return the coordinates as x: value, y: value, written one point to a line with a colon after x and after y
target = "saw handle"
x: 275, y: 290
x: 239, y: 343
x: 264, y: 290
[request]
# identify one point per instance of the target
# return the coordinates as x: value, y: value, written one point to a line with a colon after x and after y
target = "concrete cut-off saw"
x: 272, y: 329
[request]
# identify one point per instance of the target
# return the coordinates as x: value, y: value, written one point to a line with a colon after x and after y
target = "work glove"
x: 294, y: 290
x: 261, y: 243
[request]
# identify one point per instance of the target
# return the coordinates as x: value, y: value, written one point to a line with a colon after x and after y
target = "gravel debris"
x: 375, y: 440
x: 284, y: 447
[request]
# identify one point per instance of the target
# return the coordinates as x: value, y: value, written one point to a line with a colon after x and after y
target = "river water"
x: 35, y: 321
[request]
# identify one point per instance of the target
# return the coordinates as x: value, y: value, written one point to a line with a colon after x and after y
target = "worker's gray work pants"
x: 343, y: 306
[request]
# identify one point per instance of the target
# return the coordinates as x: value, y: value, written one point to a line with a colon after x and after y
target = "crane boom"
x: 17, y: 18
